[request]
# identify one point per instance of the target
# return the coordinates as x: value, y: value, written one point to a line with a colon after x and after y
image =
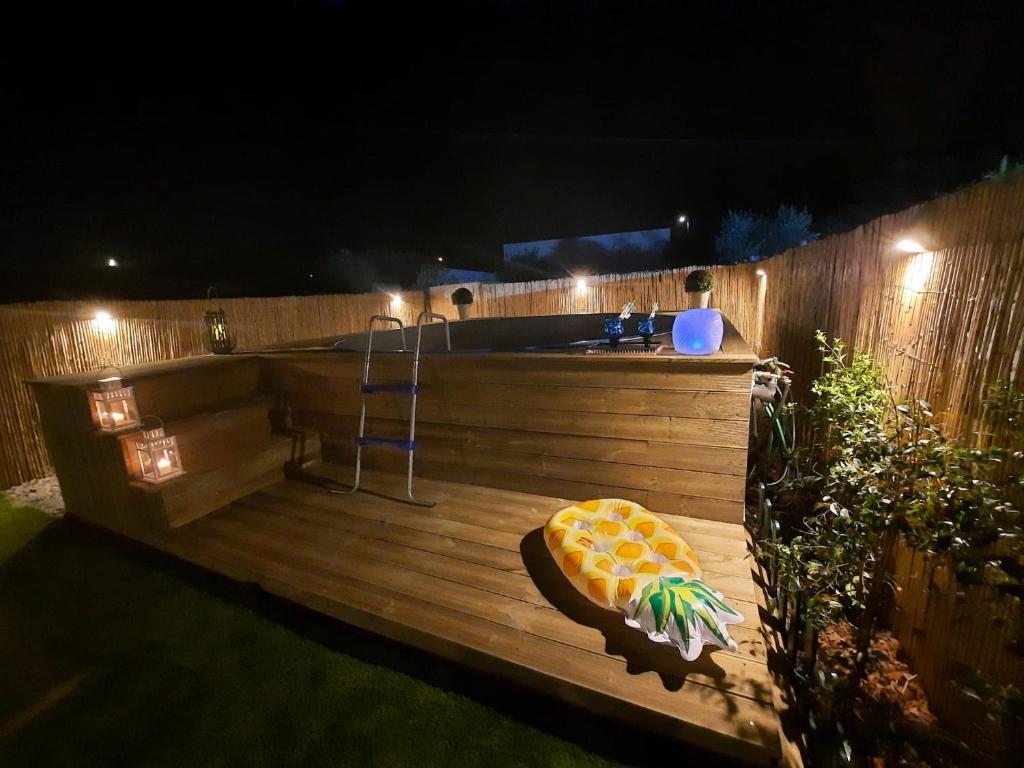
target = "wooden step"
x: 210, y: 439
x: 189, y: 497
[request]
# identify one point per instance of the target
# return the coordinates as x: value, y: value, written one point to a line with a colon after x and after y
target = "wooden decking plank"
x: 537, y: 508
x: 510, y: 507
x: 283, y: 522
x: 382, y: 510
x: 729, y: 724
x: 734, y: 675
x: 732, y: 586
x: 377, y: 509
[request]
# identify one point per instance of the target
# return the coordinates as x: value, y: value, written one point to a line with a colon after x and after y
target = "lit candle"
x: 117, y: 416
x: 163, y: 463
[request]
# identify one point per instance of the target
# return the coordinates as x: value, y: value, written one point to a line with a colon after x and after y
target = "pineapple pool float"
x: 623, y: 557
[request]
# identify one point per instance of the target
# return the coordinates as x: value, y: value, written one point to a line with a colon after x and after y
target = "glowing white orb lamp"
x: 698, y: 332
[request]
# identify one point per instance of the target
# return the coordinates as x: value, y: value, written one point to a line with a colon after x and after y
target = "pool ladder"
x: 412, y: 389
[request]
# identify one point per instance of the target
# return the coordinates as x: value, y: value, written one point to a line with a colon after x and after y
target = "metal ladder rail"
x: 423, y: 316
x: 362, y: 440
x: 412, y: 389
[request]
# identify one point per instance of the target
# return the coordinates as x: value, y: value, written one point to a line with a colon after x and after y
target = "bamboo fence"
x: 945, y: 323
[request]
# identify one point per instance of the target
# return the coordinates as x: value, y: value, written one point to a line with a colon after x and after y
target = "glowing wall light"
x: 760, y: 273
x: 910, y: 246
x: 396, y: 301
x: 919, y: 270
x: 102, y: 322
x: 581, y: 285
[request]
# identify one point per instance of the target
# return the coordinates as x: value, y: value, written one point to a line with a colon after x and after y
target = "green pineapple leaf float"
x: 684, y: 612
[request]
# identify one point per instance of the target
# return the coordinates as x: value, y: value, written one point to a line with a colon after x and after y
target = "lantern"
x: 158, y: 456
x: 114, y: 406
x: 216, y: 323
x: 698, y: 332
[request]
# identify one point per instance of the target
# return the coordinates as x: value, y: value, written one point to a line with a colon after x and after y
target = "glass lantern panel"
x: 146, y: 463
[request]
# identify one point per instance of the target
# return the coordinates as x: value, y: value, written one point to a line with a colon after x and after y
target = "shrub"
x: 699, y: 281
x: 880, y: 471
x: 462, y: 296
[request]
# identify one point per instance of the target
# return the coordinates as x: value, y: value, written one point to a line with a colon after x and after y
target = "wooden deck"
x: 472, y: 581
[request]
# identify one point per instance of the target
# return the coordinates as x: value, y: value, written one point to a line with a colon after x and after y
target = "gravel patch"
x: 43, y: 494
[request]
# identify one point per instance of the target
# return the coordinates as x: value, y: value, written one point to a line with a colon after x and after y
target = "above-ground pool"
x: 503, y: 334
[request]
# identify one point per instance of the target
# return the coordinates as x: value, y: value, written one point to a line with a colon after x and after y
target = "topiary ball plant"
x: 699, y: 281
x: 462, y: 296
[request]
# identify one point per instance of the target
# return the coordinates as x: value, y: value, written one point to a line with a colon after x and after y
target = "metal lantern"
x: 114, y: 406
x: 158, y: 456
x: 216, y: 323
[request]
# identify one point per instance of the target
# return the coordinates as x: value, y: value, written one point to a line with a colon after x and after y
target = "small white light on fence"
x: 760, y: 273
x: 910, y: 246
x: 682, y: 219
x: 158, y: 455
x: 103, y: 322
x: 112, y: 262
x: 918, y: 272
x: 440, y: 258
x: 114, y: 406
x: 581, y: 285
x: 396, y: 300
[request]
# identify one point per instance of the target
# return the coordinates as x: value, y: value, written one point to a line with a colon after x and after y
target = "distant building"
x: 448, y: 276
x: 656, y: 240
x: 590, y: 255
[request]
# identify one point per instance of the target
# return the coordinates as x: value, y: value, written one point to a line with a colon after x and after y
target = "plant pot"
x: 463, y: 310
x: 699, y: 300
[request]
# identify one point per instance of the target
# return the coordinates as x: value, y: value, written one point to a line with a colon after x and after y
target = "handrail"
x: 432, y: 316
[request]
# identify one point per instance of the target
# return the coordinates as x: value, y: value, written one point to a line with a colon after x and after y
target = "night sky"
x: 252, y: 145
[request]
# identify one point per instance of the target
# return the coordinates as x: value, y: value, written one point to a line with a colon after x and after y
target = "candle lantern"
x: 158, y: 456
x: 114, y: 406
x: 216, y: 323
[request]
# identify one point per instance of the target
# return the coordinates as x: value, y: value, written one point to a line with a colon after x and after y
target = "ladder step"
x: 405, y: 445
x: 409, y: 389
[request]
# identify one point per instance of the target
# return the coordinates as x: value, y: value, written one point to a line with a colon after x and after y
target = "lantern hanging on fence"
x: 158, y: 456
x: 113, y: 406
x: 216, y: 323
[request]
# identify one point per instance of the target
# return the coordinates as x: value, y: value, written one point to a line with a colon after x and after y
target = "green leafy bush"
x: 699, y: 281
x: 879, y: 471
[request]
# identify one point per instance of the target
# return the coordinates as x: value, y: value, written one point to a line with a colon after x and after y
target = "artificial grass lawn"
x: 110, y: 655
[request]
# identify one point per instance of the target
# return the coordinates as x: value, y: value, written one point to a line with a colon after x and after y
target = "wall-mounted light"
x: 682, y: 218
x: 440, y: 259
x: 113, y: 263
x: 103, y: 322
x: 919, y: 270
x: 396, y: 300
x: 581, y: 285
x: 113, y: 406
x: 158, y: 456
x: 910, y: 246
x: 759, y: 272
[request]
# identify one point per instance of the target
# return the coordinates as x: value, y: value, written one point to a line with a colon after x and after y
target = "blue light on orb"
x: 698, y: 331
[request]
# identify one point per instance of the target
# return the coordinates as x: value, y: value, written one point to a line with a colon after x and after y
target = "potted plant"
x: 462, y: 298
x: 699, y: 285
